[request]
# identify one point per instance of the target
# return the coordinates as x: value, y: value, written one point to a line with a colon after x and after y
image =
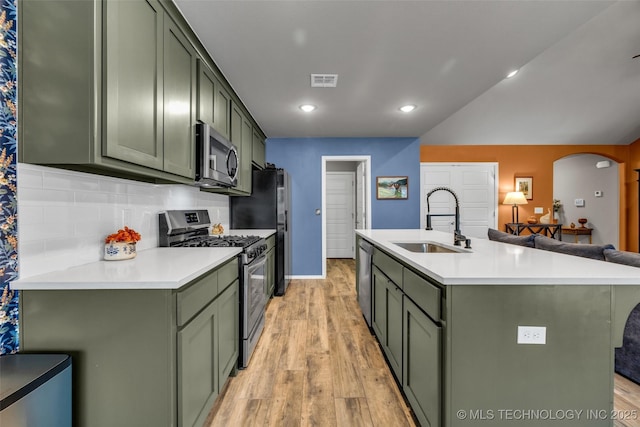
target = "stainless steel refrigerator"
x: 268, y: 207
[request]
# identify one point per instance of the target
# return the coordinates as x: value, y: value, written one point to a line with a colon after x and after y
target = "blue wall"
x: 302, y: 158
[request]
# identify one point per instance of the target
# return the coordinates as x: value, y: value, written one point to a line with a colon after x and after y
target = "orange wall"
x: 537, y: 161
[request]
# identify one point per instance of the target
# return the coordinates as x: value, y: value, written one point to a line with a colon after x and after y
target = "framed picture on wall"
x: 392, y: 187
x: 525, y: 184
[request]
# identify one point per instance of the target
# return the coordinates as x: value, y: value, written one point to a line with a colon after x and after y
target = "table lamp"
x: 514, y: 199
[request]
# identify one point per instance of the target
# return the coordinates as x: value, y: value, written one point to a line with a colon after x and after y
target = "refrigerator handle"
x: 286, y: 220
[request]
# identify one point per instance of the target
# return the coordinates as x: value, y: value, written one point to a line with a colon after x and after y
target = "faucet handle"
x: 467, y: 243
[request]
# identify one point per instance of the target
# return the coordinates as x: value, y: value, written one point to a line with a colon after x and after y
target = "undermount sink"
x: 428, y: 247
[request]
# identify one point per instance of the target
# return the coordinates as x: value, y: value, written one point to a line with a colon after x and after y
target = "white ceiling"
x: 577, y: 84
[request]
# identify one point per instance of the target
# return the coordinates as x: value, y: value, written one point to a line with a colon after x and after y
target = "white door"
x: 340, y: 214
x: 361, y: 214
x: 475, y: 184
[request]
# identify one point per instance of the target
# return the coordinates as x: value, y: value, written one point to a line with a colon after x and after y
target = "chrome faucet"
x: 457, y: 235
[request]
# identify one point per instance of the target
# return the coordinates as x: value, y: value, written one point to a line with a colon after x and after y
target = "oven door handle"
x: 257, y: 263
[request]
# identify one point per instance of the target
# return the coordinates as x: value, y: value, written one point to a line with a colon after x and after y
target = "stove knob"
x: 251, y: 253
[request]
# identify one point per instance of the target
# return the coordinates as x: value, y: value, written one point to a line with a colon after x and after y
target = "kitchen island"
x: 499, y: 335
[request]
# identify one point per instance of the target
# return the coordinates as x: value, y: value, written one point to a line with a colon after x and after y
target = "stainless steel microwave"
x: 216, y: 158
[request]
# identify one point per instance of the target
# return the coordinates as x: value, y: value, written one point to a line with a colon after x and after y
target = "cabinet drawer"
x: 390, y: 267
x: 197, y: 296
x: 426, y: 295
x: 227, y: 274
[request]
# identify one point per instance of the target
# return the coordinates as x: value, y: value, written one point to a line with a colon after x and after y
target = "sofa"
x: 627, y: 357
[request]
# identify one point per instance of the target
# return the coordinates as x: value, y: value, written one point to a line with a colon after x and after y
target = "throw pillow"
x: 501, y: 236
x: 622, y: 257
x: 577, y: 249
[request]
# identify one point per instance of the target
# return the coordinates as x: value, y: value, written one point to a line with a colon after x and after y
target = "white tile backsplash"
x: 64, y: 216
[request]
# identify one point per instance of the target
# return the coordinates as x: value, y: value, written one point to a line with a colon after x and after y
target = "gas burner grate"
x: 218, y: 241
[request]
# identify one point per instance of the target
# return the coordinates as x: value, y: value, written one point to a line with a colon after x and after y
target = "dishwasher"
x: 365, y: 296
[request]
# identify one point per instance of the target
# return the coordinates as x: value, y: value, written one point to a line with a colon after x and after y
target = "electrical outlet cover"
x: 532, y: 335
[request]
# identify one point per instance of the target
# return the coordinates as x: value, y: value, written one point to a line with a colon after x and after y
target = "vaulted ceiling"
x: 577, y: 82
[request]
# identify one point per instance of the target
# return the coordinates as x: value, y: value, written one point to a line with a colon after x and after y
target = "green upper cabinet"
x: 221, y: 114
x: 179, y: 101
x: 241, y: 137
x: 214, y: 101
x: 149, y: 90
x: 116, y: 88
x: 206, y: 93
x: 133, y: 82
x: 258, y: 151
x: 107, y: 87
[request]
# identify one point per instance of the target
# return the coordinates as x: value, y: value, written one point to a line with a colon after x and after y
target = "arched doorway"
x: 594, y: 180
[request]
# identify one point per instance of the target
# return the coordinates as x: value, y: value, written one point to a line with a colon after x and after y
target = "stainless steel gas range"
x: 190, y: 228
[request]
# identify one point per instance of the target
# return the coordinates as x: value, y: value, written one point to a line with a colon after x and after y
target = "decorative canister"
x: 116, y: 251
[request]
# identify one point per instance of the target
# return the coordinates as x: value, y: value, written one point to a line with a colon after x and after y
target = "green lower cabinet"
x: 394, y: 329
x: 379, y: 309
x: 457, y: 358
x: 387, y: 297
x: 198, y: 367
x: 155, y: 357
x: 228, y: 332
x: 271, y: 273
x: 422, y: 364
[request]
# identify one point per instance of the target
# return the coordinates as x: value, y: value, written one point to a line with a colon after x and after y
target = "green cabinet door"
x: 228, y: 332
x: 258, y: 149
x: 387, y: 319
x: 379, y: 312
x: 222, y: 111
x: 247, y: 148
x: 422, y: 364
x: 393, y: 348
x: 198, y: 367
x: 133, y: 82
x: 179, y: 101
x: 271, y: 275
x: 205, y: 94
x: 213, y: 100
x: 243, y: 144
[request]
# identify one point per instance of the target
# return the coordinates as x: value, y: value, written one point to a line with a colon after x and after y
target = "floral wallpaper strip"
x: 8, y: 180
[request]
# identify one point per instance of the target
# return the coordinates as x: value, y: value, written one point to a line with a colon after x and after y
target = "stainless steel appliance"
x: 190, y: 228
x: 269, y: 207
x: 35, y: 390
x: 216, y: 158
x: 365, y: 296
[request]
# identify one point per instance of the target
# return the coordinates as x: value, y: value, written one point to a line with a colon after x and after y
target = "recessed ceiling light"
x: 511, y: 74
x: 407, y: 108
x: 307, y: 108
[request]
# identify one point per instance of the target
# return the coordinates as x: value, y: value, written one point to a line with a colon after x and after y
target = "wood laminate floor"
x: 316, y: 363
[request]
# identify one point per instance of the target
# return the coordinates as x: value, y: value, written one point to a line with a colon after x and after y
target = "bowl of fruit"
x: 121, y: 245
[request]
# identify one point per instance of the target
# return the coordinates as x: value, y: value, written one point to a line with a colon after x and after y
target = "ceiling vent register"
x: 324, y: 80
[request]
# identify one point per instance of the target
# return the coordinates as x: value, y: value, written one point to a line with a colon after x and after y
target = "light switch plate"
x: 532, y: 334
x: 537, y: 210
x: 579, y: 202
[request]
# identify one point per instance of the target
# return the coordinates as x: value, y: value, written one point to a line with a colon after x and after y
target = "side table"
x: 578, y: 231
x: 550, y: 230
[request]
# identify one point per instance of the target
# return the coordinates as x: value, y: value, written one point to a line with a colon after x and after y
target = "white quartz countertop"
x: 495, y: 263
x: 156, y: 268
